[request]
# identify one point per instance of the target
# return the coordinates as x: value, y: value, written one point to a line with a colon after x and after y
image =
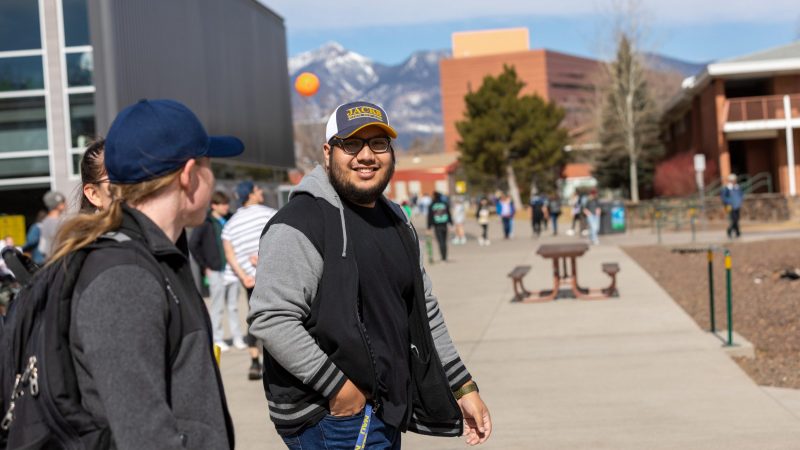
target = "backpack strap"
x: 174, y: 324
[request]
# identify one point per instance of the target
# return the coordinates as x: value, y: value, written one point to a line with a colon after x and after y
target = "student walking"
x: 207, y: 249
x: 732, y: 198
x: 439, y: 219
x: 459, y: 211
x: 554, y: 211
x: 240, y: 237
x: 56, y: 205
x: 538, y: 206
x: 157, y: 157
x: 592, y: 212
x: 505, y: 209
x: 483, y: 214
x: 357, y: 347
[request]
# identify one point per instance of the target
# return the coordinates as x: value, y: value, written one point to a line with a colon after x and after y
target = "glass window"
x: 19, y: 25
x: 24, y: 167
x: 80, y: 67
x: 23, y: 124
x: 81, y: 118
x: 17, y: 74
x: 76, y: 163
x: 76, y: 23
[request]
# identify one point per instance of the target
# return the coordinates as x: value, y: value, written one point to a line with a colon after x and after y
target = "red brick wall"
x: 548, y: 74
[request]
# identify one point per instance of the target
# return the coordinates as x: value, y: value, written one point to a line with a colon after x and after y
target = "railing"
x: 761, y: 108
x: 749, y: 184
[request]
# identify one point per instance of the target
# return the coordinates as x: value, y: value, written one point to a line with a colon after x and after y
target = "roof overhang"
x: 728, y: 70
x: 754, y: 68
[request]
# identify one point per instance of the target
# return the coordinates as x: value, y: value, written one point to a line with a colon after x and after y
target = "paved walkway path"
x: 628, y: 373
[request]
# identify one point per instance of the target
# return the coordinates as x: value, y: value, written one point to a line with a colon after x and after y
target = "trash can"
x: 612, y: 220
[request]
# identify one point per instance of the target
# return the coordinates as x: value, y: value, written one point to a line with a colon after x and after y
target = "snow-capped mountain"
x: 408, y: 91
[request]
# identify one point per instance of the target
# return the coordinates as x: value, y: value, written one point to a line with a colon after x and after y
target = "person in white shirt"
x: 240, y: 238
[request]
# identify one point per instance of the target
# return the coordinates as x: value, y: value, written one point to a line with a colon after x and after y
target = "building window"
x: 24, y: 143
x: 80, y: 67
x: 25, y: 167
x: 19, y: 25
x: 23, y: 125
x: 76, y: 23
x: 21, y: 73
x: 79, y: 63
x: 81, y: 113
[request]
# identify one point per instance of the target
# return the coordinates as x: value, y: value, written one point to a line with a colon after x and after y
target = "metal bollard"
x: 429, y: 248
x: 730, y: 302
x: 692, y: 222
x: 711, y: 289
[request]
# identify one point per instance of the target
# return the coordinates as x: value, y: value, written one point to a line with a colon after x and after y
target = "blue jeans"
x: 508, y: 226
x: 334, y: 433
x: 594, y: 227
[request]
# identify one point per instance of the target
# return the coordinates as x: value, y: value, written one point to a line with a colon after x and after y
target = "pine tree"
x: 629, y: 132
x: 506, y: 137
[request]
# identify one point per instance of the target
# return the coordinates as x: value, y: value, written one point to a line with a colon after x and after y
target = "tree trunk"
x: 631, y: 139
x: 634, y: 180
x: 513, y: 189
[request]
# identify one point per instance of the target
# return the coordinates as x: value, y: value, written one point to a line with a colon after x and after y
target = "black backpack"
x: 40, y: 402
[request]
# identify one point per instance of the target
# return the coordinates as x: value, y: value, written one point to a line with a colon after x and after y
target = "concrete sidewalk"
x: 628, y: 373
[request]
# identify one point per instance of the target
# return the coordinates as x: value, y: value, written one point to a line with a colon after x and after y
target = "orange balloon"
x: 306, y: 84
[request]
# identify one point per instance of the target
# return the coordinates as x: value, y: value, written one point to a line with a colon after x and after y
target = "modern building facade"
x: 743, y: 114
x: 564, y: 79
x: 67, y: 67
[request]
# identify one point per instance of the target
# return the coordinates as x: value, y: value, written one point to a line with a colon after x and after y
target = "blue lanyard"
x: 361, y: 442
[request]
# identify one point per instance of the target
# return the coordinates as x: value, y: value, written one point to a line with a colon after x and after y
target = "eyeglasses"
x: 352, y: 146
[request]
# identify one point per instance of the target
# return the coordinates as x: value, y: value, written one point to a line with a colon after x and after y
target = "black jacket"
x: 206, y: 245
x: 305, y: 307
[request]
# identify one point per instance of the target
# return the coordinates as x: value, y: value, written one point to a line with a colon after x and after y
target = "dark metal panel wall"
x: 226, y: 59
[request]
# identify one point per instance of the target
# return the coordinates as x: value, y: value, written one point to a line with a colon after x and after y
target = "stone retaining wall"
x: 756, y: 207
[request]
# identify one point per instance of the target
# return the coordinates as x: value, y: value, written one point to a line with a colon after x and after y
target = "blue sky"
x: 692, y: 30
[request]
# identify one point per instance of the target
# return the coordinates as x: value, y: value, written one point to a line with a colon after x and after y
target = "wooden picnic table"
x: 560, y: 254
x: 565, y: 275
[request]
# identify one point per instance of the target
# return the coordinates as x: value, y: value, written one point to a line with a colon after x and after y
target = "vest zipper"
x: 365, y: 339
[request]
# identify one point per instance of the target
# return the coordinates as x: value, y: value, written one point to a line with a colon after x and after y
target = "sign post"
x: 699, y: 169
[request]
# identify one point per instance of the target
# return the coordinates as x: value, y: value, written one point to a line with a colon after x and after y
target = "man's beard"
x: 338, y: 177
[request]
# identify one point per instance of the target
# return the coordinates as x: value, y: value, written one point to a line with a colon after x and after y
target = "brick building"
x: 564, y: 79
x: 743, y: 114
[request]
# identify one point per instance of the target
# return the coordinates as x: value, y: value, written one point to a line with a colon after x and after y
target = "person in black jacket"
x: 440, y: 219
x: 152, y: 388
x: 356, y: 347
x: 206, y: 247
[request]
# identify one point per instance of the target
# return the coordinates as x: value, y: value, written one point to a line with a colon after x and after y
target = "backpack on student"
x: 40, y: 402
x: 439, y: 212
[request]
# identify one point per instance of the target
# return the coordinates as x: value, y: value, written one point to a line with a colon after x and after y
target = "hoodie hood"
x: 317, y: 184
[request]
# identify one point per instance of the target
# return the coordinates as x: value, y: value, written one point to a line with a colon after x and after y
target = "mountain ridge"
x: 409, y: 91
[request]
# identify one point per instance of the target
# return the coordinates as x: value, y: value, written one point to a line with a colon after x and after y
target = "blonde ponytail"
x: 83, y: 229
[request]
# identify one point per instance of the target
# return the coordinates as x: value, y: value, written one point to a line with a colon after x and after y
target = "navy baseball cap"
x: 155, y: 137
x: 351, y: 117
x: 243, y: 190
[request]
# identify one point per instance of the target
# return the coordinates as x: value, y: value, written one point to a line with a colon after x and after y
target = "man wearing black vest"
x: 357, y: 350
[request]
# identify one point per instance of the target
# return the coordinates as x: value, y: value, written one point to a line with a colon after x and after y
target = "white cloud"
x: 306, y: 15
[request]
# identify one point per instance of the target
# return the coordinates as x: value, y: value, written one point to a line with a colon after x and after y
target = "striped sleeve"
x: 455, y: 369
x: 289, y: 270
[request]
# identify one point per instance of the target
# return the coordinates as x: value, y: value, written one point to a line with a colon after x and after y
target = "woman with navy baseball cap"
x: 139, y: 334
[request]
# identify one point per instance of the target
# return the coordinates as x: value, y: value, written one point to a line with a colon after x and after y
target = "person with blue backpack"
x: 124, y: 356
